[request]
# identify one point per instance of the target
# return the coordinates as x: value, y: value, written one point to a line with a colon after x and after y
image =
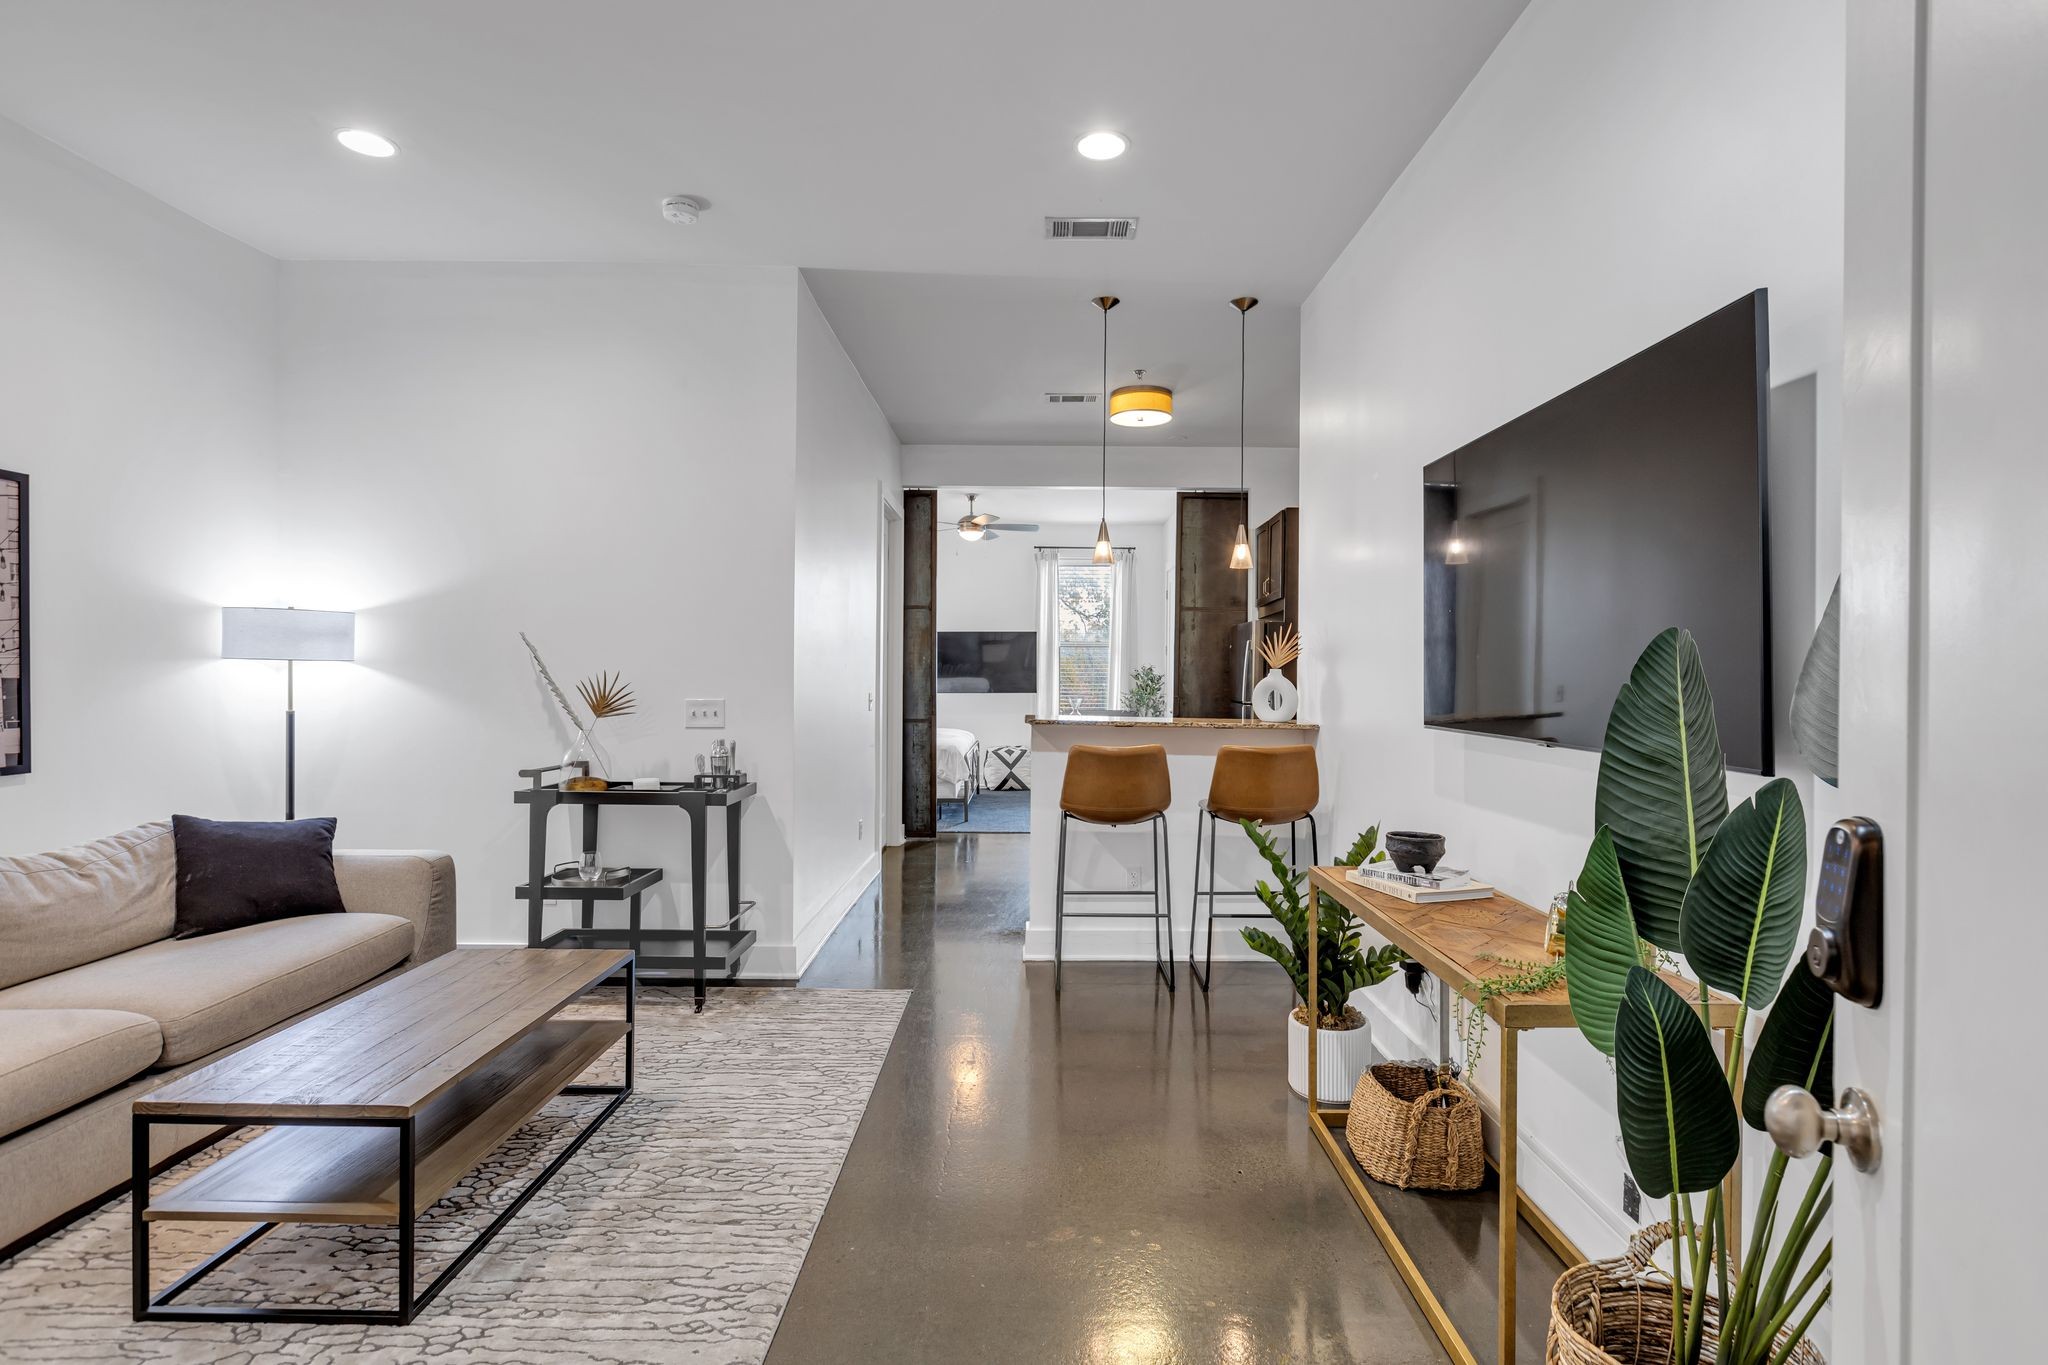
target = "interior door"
x: 1210, y: 600
x: 1944, y: 585
x: 920, y: 663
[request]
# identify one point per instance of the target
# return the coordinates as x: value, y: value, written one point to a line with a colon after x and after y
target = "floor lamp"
x: 295, y: 637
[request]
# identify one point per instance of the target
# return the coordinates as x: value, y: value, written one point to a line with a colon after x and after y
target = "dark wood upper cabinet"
x: 1210, y: 602
x: 1276, y: 561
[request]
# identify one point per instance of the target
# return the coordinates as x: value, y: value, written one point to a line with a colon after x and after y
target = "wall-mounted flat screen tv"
x: 1555, y: 547
x: 988, y: 661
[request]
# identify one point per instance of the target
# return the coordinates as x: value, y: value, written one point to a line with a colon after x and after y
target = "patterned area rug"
x: 674, y: 1234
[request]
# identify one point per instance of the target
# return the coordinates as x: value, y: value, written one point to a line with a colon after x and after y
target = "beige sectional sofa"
x: 99, y: 1003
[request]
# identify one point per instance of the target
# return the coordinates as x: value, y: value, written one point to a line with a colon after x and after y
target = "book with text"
x: 1422, y: 889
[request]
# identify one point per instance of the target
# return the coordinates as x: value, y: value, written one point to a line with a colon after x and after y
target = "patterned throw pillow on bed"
x: 1007, y: 769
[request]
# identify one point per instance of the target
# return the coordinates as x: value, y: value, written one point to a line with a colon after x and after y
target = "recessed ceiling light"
x: 368, y: 143
x: 1102, y: 146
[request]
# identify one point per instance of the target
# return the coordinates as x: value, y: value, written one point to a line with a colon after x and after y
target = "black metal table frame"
x: 695, y: 802
x: 159, y: 1307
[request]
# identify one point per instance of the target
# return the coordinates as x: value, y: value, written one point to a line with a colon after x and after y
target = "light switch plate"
x: 706, y: 713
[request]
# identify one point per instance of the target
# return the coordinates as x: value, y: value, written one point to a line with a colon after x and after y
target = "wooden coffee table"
x: 377, y: 1107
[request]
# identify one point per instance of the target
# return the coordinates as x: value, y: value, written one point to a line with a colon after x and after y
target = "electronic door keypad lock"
x: 1846, y: 947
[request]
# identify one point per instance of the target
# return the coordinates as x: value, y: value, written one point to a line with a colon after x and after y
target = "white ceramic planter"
x: 1341, y: 1058
x: 1274, y: 698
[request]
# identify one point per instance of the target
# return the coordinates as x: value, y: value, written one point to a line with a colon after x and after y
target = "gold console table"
x: 1462, y: 943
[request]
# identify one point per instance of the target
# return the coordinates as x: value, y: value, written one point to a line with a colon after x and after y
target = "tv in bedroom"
x: 1556, y: 546
x: 988, y: 661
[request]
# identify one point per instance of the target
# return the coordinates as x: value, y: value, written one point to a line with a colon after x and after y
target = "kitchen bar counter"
x: 1104, y: 858
x: 1172, y: 722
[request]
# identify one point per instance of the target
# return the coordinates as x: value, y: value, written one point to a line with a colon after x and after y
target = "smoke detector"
x: 682, y: 209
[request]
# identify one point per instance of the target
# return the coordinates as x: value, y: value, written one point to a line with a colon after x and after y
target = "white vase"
x: 1342, y: 1055
x: 1275, y: 698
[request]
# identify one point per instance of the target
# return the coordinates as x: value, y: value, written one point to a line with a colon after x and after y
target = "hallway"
x: 1121, y: 1175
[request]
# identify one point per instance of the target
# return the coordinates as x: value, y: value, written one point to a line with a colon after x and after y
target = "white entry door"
x: 1945, y: 650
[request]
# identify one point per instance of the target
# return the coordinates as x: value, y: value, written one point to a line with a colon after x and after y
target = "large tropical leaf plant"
x: 1343, y: 963
x: 1674, y: 869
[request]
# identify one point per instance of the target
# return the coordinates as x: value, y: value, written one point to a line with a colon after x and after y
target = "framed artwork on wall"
x: 13, y: 623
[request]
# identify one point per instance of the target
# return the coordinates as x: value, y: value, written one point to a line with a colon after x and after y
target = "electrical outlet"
x: 1631, y: 1199
x: 860, y: 829
x: 1134, y: 878
x: 705, y: 713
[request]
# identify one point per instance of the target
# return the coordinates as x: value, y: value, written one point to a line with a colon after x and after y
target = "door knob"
x: 1799, y: 1125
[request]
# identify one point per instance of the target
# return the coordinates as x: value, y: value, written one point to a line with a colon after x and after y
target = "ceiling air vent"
x: 1091, y: 229
x: 1072, y: 397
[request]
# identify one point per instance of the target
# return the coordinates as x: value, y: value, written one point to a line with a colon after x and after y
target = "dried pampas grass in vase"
x: 1274, y: 698
x: 606, y: 697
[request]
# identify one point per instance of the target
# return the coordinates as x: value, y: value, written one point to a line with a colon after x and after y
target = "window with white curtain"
x: 1082, y: 606
x: 1087, y: 602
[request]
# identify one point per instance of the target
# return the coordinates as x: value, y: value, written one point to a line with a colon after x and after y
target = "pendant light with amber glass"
x: 1241, y: 552
x: 1104, y: 552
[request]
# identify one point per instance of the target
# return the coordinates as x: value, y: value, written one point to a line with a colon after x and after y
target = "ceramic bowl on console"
x: 1411, y: 850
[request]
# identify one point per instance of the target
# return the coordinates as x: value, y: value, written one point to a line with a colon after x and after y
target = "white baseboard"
x: 785, y: 961
x: 1132, y: 942
x: 818, y: 926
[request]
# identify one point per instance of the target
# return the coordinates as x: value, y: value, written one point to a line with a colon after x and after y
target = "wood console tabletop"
x: 1461, y: 943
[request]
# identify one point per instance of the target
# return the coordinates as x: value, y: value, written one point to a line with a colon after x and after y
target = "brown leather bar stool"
x: 1117, y: 785
x: 1269, y: 786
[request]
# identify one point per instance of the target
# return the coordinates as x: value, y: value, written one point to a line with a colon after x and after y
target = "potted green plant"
x: 1146, y: 695
x: 1677, y: 867
x: 1343, y: 965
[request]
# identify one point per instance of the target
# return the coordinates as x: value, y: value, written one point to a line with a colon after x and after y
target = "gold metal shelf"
x: 1461, y: 943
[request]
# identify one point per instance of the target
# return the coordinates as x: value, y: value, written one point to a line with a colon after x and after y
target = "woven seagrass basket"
x: 1415, y: 1127
x: 1618, y: 1312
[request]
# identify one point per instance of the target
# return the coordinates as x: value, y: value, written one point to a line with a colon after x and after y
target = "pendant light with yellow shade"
x: 1241, y: 552
x: 1141, y: 404
x: 1104, y: 552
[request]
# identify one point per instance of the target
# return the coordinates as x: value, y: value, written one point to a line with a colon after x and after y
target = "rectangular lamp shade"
x: 285, y: 633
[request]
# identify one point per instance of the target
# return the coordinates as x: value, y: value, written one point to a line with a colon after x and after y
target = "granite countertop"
x: 1180, y: 722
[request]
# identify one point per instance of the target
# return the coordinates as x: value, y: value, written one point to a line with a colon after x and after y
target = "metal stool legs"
x: 1201, y: 971
x: 1162, y: 902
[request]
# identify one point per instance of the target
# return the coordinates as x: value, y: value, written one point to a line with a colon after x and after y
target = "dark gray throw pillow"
x: 237, y: 872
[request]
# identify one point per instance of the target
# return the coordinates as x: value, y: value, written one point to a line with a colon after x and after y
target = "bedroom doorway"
x: 1027, y: 624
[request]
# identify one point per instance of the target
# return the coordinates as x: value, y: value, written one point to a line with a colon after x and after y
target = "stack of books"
x: 1423, y: 888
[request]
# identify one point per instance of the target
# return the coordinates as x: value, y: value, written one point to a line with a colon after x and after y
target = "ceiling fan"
x: 972, y: 527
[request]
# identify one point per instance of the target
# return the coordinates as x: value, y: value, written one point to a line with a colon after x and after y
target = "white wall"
x: 616, y: 460
x: 1612, y: 174
x: 993, y: 585
x: 137, y: 393
x: 601, y: 457
x: 847, y: 463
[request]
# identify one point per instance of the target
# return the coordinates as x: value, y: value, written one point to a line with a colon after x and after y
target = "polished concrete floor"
x: 1116, y: 1175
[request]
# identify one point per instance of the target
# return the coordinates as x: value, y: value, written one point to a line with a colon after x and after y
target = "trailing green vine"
x: 1521, y: 978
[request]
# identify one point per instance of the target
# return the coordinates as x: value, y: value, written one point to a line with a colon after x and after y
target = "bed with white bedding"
x: 959, y: 767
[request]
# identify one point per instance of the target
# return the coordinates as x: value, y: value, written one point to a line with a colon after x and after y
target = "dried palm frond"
x: 561, y: 699
x: 606, y: 696
x: 1280, y: 649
